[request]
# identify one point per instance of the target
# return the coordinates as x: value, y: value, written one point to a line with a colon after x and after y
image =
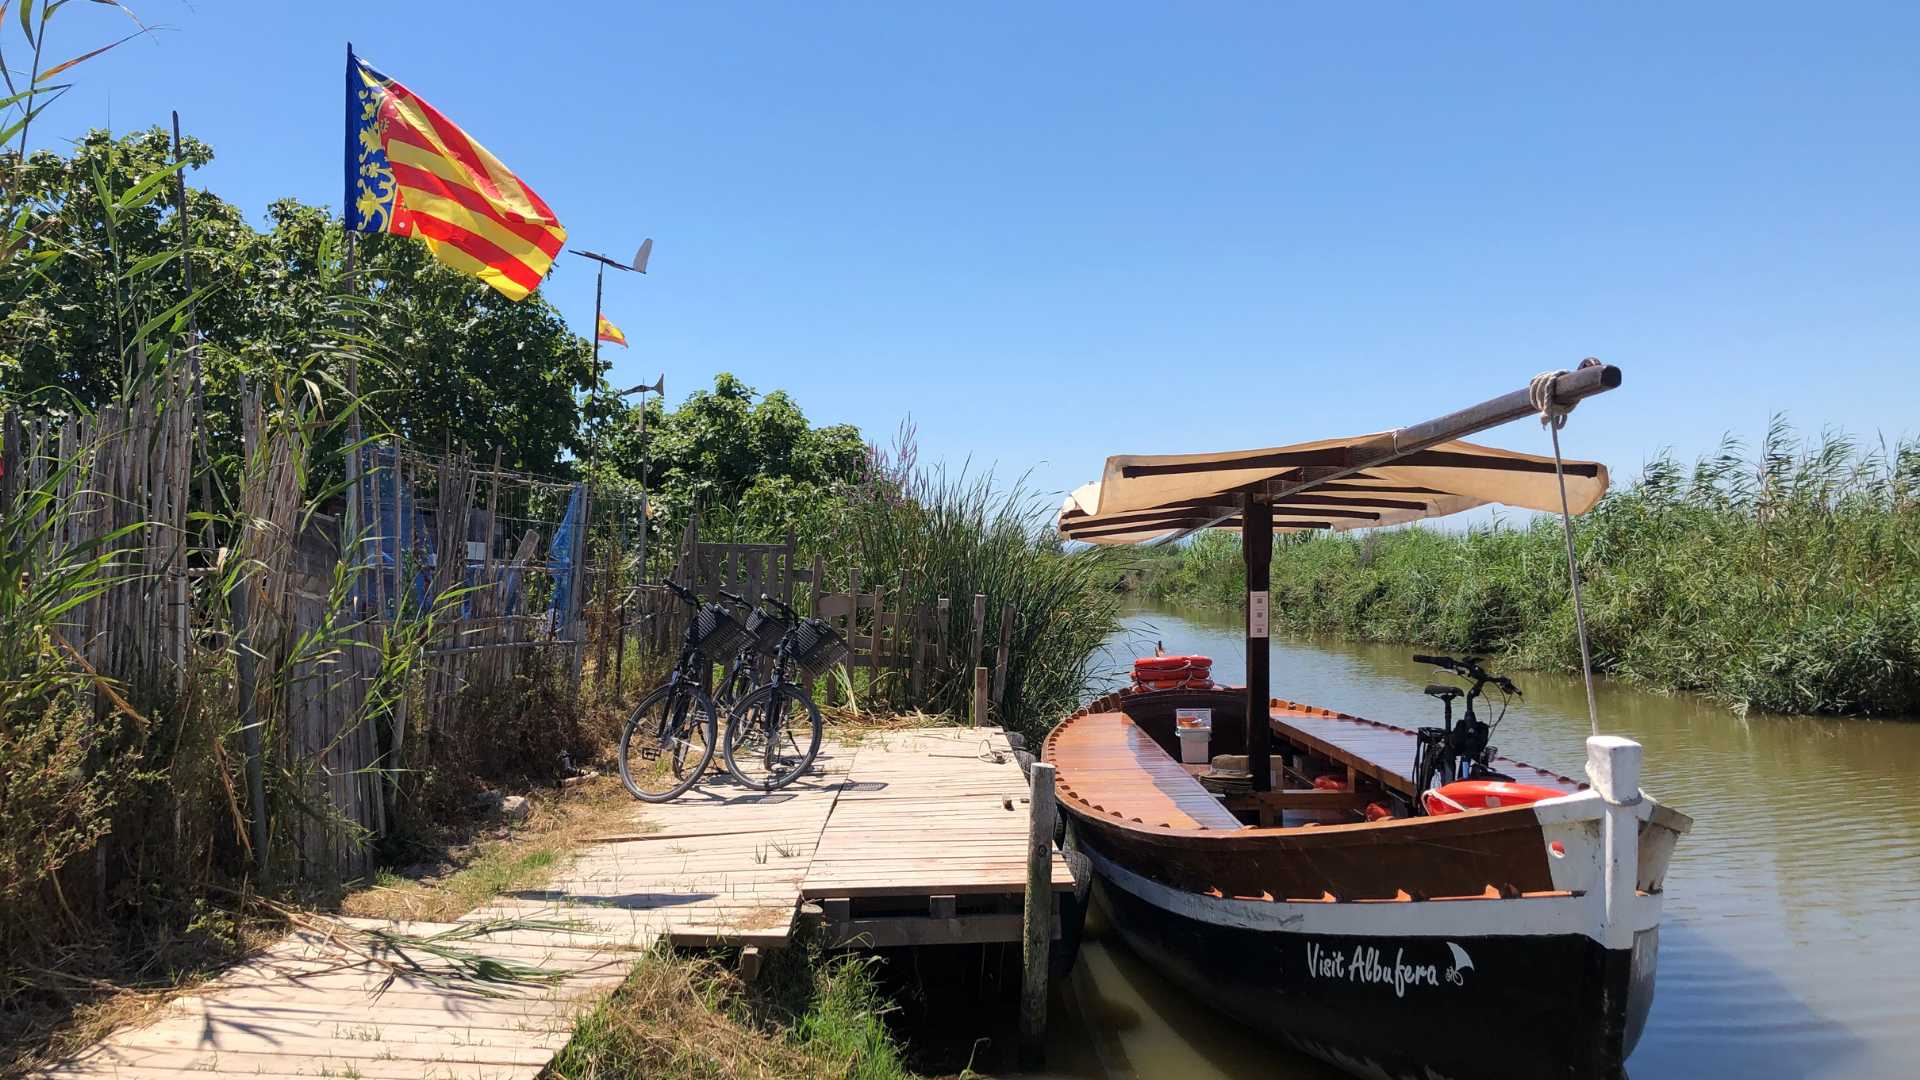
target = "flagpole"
x: 593, y: 388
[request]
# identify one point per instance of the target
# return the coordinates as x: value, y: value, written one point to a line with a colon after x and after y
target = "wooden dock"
x: 904, y: 838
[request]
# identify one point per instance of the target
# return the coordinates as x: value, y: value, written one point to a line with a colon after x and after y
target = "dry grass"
x: 850, y: 725
x: 53, y: 1012
x: 681, y: 1017
x: 524, y: 857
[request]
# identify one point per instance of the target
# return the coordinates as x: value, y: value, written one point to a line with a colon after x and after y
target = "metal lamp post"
x: 659, y: 387
x: 638, y: 266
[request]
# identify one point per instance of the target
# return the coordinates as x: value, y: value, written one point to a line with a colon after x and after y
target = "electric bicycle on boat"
x: 1461, y: 751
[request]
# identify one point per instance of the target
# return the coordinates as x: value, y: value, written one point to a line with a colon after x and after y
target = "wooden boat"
x: 1326, y: 908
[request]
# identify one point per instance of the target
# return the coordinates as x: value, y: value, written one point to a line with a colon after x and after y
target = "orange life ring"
x: 1160, y: 664
x: 1173, y: 672
x: 1463, y: 795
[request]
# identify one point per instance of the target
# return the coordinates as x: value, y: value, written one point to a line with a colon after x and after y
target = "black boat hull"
x: 1407, y: 1004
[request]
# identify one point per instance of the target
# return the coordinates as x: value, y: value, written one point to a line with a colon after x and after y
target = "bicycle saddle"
x: 1444, y: 693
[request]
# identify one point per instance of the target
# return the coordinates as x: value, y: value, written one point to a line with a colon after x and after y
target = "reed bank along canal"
x: 1791, y: 940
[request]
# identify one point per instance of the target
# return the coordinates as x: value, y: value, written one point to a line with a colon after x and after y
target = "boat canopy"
x: 1339, y: 484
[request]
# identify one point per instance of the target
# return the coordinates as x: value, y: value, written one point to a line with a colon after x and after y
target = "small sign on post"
x: 1257, y: 614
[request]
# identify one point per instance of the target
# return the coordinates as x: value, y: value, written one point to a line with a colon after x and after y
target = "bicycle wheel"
x: 772, y: 736
x: 667, y: 743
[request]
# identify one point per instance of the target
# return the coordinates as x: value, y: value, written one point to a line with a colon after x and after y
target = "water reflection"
x: 1792, y: 938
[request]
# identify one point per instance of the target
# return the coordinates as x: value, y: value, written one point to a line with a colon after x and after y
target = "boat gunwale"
x: 1492, y: 820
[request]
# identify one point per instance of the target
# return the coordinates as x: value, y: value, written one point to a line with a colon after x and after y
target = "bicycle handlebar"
x: 736, y: 601
x: 785, y: 608
x: 687, y: 596
x: 1469, y: 668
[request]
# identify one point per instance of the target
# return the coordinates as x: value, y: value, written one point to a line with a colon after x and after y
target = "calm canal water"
x: 1791, y: 940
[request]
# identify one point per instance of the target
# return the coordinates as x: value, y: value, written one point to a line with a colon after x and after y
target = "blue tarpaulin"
x: 389, y: 511
x: 560, y: 554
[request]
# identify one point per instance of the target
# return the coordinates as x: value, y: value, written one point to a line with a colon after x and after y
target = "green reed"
x: 958, y: 536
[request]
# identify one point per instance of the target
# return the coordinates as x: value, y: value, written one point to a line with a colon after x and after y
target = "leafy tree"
x: 448, y: 361
x: 758, y: 463
x: 444, y: 361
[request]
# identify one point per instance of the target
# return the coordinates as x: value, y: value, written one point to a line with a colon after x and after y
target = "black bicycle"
x: 765, y: 746
x: 742, y: 673
x: 1461, y: 751
x: 669, y: 740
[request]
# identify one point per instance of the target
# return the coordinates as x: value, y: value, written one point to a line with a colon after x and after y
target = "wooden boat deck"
x: 1383, y: 751
x: 1105, y: 760
x: 899, y: 818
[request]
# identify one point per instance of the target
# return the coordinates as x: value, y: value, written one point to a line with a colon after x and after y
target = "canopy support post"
x: 1256, y: 545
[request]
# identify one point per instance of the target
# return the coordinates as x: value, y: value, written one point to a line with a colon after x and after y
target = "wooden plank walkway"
x: 929, y: 812
x: 909, y: 814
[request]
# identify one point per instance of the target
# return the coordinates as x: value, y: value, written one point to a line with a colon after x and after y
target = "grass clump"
x: 454, y: 877
x: 689, y: 1017
x: 1784, y: 579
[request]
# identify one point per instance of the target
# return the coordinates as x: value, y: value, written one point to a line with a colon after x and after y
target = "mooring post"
x: 1037, y: 923
x: 980, y: 697
x: 1613, y: 765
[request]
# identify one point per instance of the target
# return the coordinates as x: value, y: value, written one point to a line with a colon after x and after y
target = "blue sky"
x: 1050, y: 232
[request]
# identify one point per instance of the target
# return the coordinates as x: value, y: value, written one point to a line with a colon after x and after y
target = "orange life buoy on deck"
x: 1173, y: 672
x: 1462, y: 795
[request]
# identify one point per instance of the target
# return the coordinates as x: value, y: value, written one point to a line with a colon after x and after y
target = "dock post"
x: 979, y: 697
x: 1037, y: 923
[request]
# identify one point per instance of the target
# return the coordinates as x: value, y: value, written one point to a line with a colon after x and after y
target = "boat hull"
x: 1392, y: 990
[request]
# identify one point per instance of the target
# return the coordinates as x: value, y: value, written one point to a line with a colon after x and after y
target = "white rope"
x: 1553, y: 416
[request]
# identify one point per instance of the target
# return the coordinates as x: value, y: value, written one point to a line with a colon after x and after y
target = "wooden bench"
x: 1381, y: 751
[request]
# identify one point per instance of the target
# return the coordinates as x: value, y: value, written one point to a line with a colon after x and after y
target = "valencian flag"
x: 610, y: 332
x: 413, y: 172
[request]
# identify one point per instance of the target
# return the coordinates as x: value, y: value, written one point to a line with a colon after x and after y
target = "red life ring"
x: 1463, y: 795
x: 1166, y: 664
x: 1173, y: 672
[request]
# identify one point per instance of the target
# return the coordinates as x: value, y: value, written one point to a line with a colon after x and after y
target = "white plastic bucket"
x: 1195, y: 746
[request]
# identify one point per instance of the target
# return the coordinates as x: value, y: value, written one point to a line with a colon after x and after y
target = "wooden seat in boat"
x: 1382, y: 751
x: 1117, y: 767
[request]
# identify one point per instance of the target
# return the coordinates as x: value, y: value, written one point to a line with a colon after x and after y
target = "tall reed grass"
x: 958, y: 536
x: 1782, y: 577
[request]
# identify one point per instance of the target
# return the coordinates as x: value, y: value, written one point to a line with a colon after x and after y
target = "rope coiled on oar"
x: 1553, y: 417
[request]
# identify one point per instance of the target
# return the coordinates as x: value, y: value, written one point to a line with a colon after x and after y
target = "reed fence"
x: 347, y: 638
x: 907, y: 649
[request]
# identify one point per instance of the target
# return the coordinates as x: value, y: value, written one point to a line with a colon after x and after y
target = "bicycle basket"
x: 817, y: 648
x: 716, y: 632
x: 766, y: 630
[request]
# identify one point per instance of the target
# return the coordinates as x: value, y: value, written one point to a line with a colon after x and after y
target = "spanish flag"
x: 610, y: 332
x: 413, y: 172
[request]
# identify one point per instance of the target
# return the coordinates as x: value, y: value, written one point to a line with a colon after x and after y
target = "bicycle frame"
x: 782, y: 657
x: 1461, y: 749
x: 692, y: 668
